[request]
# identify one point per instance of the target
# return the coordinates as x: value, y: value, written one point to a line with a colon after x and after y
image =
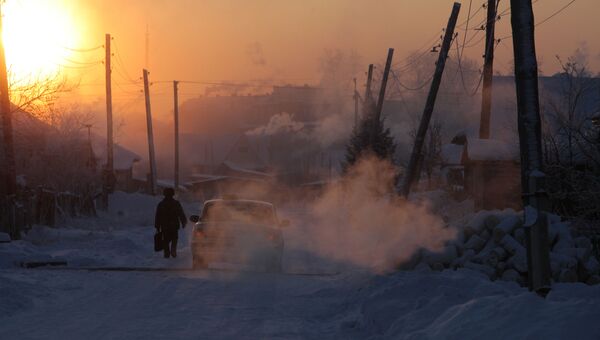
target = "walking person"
x: 169, y: 217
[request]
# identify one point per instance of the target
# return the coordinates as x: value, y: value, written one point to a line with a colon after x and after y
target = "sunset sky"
x: 241, y: 40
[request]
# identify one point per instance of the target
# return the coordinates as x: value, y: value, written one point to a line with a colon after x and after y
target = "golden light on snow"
x: 37, y: 35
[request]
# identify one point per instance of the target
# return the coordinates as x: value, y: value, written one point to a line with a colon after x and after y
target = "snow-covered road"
x: 62, y: 304
x: 315, y: 297
x: 180, y: 305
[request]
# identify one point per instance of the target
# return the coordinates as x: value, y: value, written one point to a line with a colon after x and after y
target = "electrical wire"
x: 417, y: 88
x: 469, y: 17
x: 125, y: 75
x: 83, y: 62
x: 467, y: 28
x: 412, y: 59
x: 546, y: 19
x: 555, y: 13
x: 83, y: 50
x: 78, y: 67
x: 126, y: 91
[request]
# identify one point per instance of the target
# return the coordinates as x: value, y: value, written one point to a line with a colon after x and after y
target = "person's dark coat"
x: 169, y: 215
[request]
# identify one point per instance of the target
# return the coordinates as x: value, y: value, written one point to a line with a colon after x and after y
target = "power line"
x: 467, y: 28
x: 417, y: 88
x: 547, y: 18
x: 470, y: 16
x: 421, y: 51
x: 80, y: 67
x: 83, y: 62
x: 555, y: 13
x: 83, y: 50
x: 125, y: 75
x: 197, y: 82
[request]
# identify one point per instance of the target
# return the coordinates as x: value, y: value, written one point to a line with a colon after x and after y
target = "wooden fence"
x: 44, y: 207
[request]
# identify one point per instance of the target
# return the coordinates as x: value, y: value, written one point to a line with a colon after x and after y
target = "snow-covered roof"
x: 169, y: 183
x: 452, y: 154
x: 219, y: 178
x: 233, y: 166
x: 198, y: 176
x: 491, y: 150
x: 257, y: 202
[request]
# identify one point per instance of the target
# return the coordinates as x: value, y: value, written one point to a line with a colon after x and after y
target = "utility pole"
x: 386, y: 73
x: 176, y: 123
x: 488, y: 70
x: 108, y: 171
x: 429, y: 105
x: 534, y: 196
x: 9, y: 169
x: 89, y: 129
x: 109, y: 116
x: 355, y: 105
x: 151, y: 158
x: 368, y: 87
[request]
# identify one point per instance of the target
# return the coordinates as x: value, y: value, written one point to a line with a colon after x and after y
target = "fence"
x: 45, y: 207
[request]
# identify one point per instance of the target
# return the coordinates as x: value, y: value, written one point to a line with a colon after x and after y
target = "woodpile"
x: 493, y: 243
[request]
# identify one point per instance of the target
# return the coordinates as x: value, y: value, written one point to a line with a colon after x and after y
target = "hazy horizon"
x: 267, y: 42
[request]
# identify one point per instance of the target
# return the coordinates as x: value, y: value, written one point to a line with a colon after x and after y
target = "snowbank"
x: 493, y: 243
x: 123, y: 236
x: 464, y: 304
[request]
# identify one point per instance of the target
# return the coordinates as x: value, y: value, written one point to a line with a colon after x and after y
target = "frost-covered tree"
x: 571, y: 141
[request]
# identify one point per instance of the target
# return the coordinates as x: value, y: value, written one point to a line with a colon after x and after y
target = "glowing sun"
x: 37, y: 34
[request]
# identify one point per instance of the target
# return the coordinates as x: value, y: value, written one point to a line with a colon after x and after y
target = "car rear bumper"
x: 234, y: 254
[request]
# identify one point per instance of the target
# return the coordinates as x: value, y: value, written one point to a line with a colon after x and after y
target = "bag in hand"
x: 158, y: 241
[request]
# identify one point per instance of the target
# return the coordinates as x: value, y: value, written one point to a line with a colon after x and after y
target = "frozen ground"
x: 315, y: 298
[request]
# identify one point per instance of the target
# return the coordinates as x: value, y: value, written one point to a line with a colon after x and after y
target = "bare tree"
x: 35, y: 94
x: 571, y: 142
x: 58, y: 156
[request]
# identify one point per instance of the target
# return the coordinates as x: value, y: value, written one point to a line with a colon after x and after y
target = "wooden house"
x: 486, y: 170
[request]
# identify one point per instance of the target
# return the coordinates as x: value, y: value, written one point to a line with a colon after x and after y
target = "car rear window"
x: 243, y: 212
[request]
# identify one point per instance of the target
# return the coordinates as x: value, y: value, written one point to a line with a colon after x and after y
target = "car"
x: 238, y: 231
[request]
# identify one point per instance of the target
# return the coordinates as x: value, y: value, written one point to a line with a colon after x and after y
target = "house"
x: 124, y: 161
x: 486, y: 170
x: 227, y: 164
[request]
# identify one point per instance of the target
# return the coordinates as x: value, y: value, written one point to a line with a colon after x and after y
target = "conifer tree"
x: 370, y: 137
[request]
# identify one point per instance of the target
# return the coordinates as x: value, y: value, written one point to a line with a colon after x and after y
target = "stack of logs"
x: 493, y: 243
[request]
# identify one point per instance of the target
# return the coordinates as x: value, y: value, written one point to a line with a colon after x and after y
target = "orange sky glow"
x: 244, y: 40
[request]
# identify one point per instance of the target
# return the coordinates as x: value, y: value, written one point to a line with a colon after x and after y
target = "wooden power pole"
x: 411, y: 172
x: 8, y: 169
x: 530, y: 140
x: 109, y: 115
x: 384, y: 79
x: 107, y: 172
x: 368, y: 95
x: 488, y: 70
x: 176, y: 123
x: 151, y: 157
x: 355, y: 105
